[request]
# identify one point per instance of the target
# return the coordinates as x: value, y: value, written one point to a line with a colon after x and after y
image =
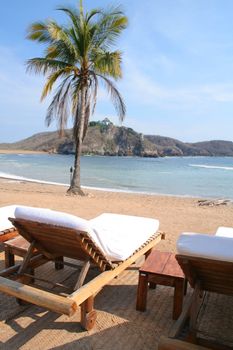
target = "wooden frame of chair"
x: 204, y: 275
x: 174, y: 344
x: 53, y: 242
x: 8, y: 234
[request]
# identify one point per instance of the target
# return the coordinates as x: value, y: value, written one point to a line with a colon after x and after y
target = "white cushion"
x: 120, y: 235
x: 205, y: 246
x: 117, y: 236
x: 5, y: 213
x: 225, y: 232
x: 52, y: 217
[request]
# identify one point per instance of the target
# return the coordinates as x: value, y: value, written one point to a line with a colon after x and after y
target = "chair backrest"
x: 207, y: 259
x: 54, y: 241
x: 213, y: 275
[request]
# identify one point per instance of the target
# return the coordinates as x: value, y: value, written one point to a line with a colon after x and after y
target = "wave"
x: 212, y: 166
x: 22, y: 178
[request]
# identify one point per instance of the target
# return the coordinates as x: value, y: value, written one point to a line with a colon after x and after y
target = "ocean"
x: 207, y: 177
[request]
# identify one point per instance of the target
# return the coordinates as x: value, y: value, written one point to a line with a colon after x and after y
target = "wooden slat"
x: 92, y: 287
x: 10, y: 270
x: 8, y: 234
x: 56, y: 241
x: 172, y: 268
x: 214, y: 275
x: 162, y: 263
x: 38, y: 297
x: 156, y: 261
x: 19, y: 242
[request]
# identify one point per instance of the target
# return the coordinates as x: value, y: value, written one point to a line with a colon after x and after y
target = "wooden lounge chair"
x: 207, y: 262
x: 7, y: 230
x: 52, y: 241
x: 174, y: 344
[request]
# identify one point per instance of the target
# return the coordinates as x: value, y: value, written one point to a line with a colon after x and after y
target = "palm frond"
x: 53, y: 78
x: 72, y: 12
x: 60, y: 51
x: 44, y: 65
x: 108, y: 63
x: 61, y: 34
x: 91, y: 14
x: 115, y: 96
x: 38, y: 31
x: 109, y: 26
x: 74, y: 16
x: 58, y: 108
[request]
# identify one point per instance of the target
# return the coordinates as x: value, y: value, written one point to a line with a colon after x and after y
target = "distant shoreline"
x: 23, y: 151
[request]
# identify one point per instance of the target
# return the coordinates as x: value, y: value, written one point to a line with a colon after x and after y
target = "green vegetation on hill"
x: 104, y: 138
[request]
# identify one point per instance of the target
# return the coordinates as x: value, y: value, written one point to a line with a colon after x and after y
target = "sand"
x: 176, y: 214
x: 20, y: 151
x: 119, y: 325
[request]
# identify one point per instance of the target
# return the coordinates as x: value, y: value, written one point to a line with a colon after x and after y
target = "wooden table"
x: 16, y: 246
x: 161, y: 268
x: 19, y: 246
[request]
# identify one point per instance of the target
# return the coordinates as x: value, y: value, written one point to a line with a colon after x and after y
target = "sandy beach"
x: 176, y: 214
x: 21, y: 151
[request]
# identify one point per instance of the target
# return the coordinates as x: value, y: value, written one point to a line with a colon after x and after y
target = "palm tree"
x: 77, y: 58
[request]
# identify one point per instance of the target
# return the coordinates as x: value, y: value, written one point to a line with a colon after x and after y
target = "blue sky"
x: 177, y: 68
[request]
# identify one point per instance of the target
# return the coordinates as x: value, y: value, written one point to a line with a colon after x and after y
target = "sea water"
x: 209, y: 177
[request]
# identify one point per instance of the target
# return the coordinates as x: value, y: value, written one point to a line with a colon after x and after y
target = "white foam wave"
x: 212, y: 166
x: 22, y: 178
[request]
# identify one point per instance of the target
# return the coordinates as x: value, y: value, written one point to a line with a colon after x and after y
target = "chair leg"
x: 142, y: 292
x: 178, y: 299
x: 194, y: 313
x: 88, y: 314
x: 152, y: 285
x: 185, y: 286
x: 59, y: 263
x: 9, y: 258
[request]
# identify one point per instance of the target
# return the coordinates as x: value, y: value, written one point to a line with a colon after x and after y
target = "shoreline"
x: 16, y: 178
x: 21, y: 151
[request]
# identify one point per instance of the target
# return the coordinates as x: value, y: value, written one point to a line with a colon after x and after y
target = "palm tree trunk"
x: 75, y: 186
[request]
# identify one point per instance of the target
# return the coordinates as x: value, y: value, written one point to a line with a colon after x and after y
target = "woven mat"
x: 118, y: 326
x: 215, y: 321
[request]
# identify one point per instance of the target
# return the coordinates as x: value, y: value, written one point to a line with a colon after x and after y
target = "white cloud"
x: 142, y: 88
